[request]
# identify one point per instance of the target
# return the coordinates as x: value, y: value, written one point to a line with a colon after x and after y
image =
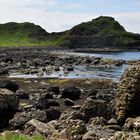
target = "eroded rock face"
x: 8, y: 106
x: 128, y: 94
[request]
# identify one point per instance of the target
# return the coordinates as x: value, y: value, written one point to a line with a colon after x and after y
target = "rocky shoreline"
x: 67, y: 109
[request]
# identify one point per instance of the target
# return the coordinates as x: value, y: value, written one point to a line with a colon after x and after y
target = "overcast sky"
x: 60, y: 15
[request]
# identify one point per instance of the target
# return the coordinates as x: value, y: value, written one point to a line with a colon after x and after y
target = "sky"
x: 60, y: 15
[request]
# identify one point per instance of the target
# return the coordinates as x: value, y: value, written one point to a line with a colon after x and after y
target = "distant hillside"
x: 102, y: 32
x: 21, y: 34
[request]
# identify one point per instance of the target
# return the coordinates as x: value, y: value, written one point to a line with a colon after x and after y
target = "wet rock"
x: 68, y: 102
x: 54, y: 89
x: 128, y: 94
x: 53, y: 114
x: 9, y: 85
x: 22, y: 118
x: 72, y: 93
x: 21, y: 94
x: 8, y: 106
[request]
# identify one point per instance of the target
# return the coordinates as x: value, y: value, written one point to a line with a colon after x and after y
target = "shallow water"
x: 135, y: 55
x: 112, y: 73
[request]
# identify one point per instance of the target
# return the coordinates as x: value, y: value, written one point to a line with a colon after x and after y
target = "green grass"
x: 11, y: 136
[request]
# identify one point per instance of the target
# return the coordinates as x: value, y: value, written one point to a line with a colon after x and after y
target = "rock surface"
x: 128, y: 94
x: 8, y: 106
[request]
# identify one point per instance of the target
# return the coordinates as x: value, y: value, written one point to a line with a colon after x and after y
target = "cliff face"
x: 101, y: 32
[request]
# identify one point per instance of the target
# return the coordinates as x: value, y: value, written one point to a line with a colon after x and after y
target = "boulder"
x: 54, y: 89
x: 9, y: 85
x: 21, y: 94
x: 8, y: 106
x: 72, y: 93
x: 128, y: 94
x: 34, y: 127
x: 22, y: 118
x: 52, y: 114
x: 94, y: 108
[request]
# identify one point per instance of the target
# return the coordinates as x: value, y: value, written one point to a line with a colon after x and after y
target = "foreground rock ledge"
x: 128, y: 94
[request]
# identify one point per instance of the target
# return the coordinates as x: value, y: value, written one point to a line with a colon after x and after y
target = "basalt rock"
x: 72, y: 93
x: 8, y: 106
x: 9, y: 85
x: 128, y: 94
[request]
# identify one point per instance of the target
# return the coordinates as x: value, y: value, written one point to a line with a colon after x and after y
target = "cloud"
x: 55, y: 16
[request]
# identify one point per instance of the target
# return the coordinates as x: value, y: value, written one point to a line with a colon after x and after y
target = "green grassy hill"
x: 99, y: 33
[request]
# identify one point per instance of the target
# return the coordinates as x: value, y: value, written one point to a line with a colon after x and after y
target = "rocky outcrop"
x: 128, y: 94
x: 8, y: 106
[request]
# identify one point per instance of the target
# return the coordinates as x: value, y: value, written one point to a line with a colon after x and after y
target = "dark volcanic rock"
x: 21, y: 94
x: 9, y: 85
x: 53, y: 114
x: 8, y: 106
x: 54, y: 89
x: 72, y: 93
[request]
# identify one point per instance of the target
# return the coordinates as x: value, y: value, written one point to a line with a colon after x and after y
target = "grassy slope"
x: 28, y: 34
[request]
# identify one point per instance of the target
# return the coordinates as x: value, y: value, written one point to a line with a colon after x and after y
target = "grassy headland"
x: 102, y: 32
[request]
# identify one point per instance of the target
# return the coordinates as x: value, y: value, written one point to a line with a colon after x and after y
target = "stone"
x: 21, y: 94
x: 9, y: 85
x: 89, y: 136
x: 8, y: 106
x: 132, y: 124
x: 94, y: 108
x: 53, y: 114
x: 68, y: 102
x: 112, y: 121
x: 21, y: 119
x: 54, y: 89
x: 34, y: 126
x: 114, y: 127
x: 98, y: 121
x: 72, y: 93
x: 125, y: 136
